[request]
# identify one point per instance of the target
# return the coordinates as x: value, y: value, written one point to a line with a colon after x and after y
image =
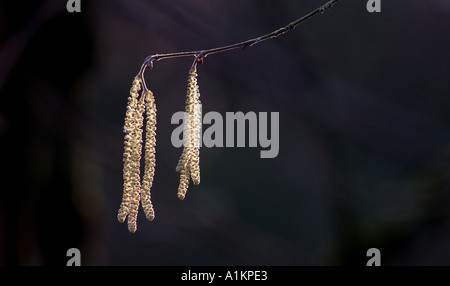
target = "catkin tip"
x: 121, y: 217
x: 150, y: 217
x: 132, y: 228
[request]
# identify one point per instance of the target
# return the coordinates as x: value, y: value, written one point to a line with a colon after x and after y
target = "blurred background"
x: 364, y: 159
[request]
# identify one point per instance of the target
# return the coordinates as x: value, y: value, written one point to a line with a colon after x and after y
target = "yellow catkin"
x: 134, y: 190
x: 194, y: 111
x: 189, y: 163
x: 136, y: 136
x: 129, y: 129
x: 150, y: 159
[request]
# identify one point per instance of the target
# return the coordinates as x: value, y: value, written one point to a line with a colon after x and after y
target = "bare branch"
x: 201, y: 54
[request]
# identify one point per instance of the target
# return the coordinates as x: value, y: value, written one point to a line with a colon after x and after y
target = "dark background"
x: 364, y: 105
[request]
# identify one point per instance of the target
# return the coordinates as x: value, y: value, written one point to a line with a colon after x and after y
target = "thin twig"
x: 201, y: 54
